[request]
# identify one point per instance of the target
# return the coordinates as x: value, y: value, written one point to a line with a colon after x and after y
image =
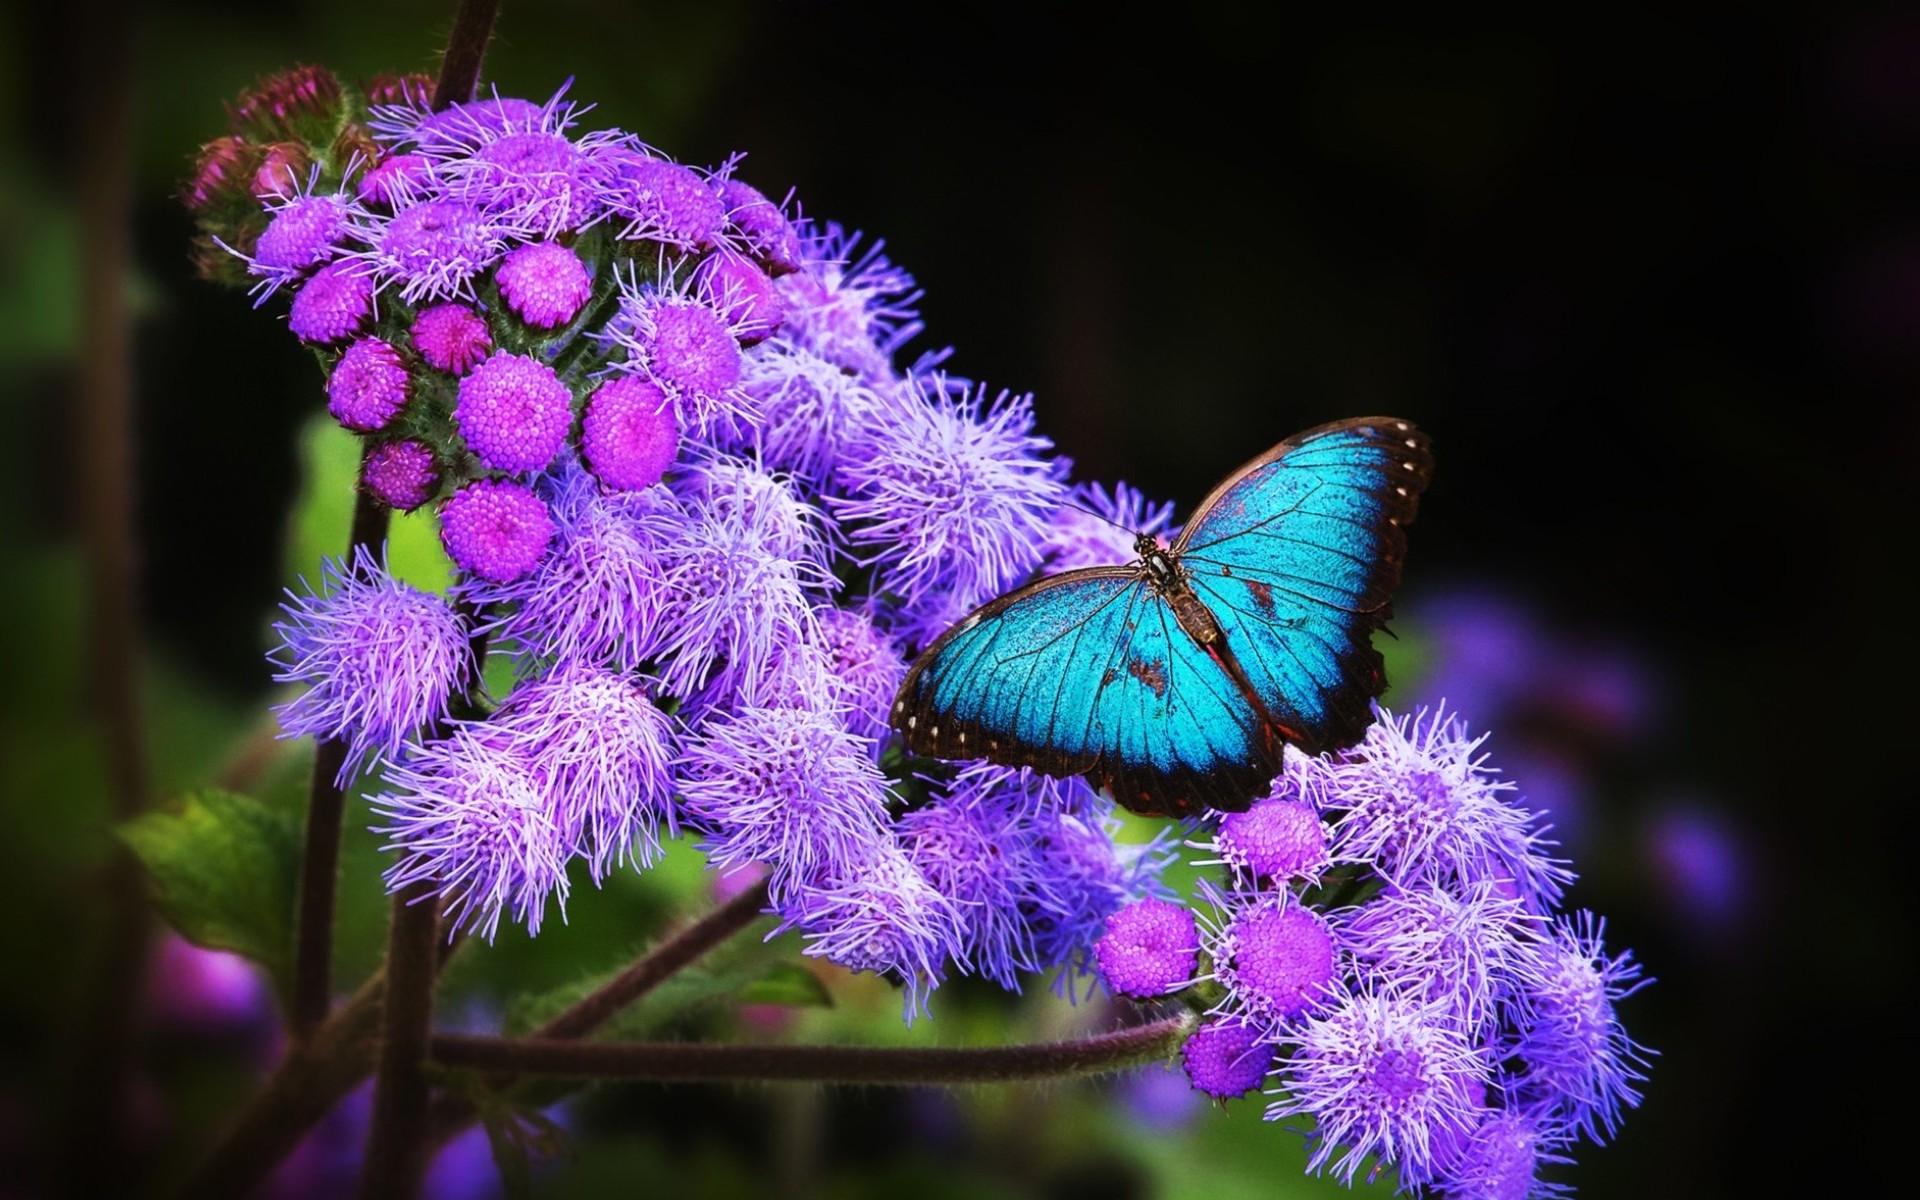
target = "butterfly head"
x: 1145, y: 544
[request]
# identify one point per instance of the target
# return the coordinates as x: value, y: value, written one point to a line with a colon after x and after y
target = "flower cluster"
x: 690, y: 495
x: 1386, y: 953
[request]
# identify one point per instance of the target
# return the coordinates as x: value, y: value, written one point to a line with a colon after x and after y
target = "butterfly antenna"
x: 1099, y: 517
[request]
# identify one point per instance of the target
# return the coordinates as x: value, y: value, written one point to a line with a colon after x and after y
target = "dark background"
x: 1650, y: 279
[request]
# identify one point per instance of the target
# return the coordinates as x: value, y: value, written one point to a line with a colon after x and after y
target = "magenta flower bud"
x: 368, y: 386
x: 218, y: 172
x: 693, y: 351
x: 400, y: 474
x: 451, y: 337
x: 545, y: 284
x: 1150, y: 948
x: 1225, y: 1059
x: 629, y: 435
x: 741, y: 293
x: 514, y: 413
x: 281, y: 168
x: 496, y: 529
x: 332, y: 305
x: 1275, y: 839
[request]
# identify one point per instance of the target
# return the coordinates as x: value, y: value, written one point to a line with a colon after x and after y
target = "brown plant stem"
x: 396, y: 1138
x: 692, y: 1062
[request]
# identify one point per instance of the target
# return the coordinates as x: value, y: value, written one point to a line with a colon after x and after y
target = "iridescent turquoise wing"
x: 1297, y: 556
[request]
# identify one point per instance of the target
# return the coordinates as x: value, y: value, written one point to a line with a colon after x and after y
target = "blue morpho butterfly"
x: 1176, y: 681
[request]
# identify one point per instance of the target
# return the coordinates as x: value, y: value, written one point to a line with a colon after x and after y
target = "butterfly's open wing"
x: 1088, y: 673
x: 1297, y: 555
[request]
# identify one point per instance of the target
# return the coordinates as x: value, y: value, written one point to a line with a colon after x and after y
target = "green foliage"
x: 224, y: 867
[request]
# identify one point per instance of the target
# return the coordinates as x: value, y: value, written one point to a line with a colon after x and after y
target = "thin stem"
x: 320, y: 848
x: 396, y: 1143
x: 692, y: 1062
x: 92, y: 1139
x: 466, y: 50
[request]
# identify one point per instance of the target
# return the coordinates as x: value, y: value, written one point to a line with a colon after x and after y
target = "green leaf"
x: 224, y: 868
x: 788, y: 984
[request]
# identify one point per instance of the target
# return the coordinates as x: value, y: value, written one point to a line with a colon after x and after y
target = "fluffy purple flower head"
x: 1225, y: 1059
x: 1149, y: 949
x: 786, y: 787
x: 976, y: 846
x: 762, y: 227
x: 451, y: 337
x: 880, y: 915
x: 1458, y: 951
x: 1276, y: 957
x: 597, y: 597
x: 867, y: 667
x: 693, y: 353
x: 544, y: 283
x: 397, y: 181
x: 304, y: 232
x: 743, y: 294
x: 368, y: 386
x: 660, y: 201
x: 1276, y: 840
x: 629, y: 435
x: 1095, y: 528
x: 514, y: 412
x: 1579, y: 1060
x: 1501, y: 1160
x: 850, y: 306
x: 604, y: 751
x: 380, y: 659
x: 331, y: 305
x: 495, y: 529
x: 1382, y: 1075
x: 458, y: 127
x: 400, y: 474
x: 470, y: 814
x: 1088, y: 877
x: 433, y: 249
x: 809, y: 408
x: 1421, y: 804
x: 732, y: 490
x: 534, y: 180
x: 953, y: 494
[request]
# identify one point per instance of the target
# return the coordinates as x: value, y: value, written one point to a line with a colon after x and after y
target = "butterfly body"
x: 1177, y: 680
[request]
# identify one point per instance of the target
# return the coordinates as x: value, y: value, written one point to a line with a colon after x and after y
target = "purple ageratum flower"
x: 1150, y: 948
x: 1225, y: 1059
x: 598, y: 595
x: 400, y: 474
x: 380, y: 659
x: 660, y: 201
x: 809, y: 408
x: 733, y: 602
x: 331, y: 305
x: 1458, y: 951
x: 977, y: 847
x: 368, y: 386
x: 495, y: 529
x: 952, y: 493
x: 761, y: 226
x: 729, y: 489
x: 471, y: 814
x: 1421, y: 804
x: 1382, y: 1075
x: 514, y: 412
x: 397, y: 181
x: 786, y: 787
x: 304, y: 232
x: 544, y: 283
x: 850, y: 306
x: 878, y: 914
x: 604, y: 751
x: 414, y: 120
x: 1275, y: 841
x: 1095, y: 528
x: 740, y: 292
x: 867, y: 667
x: 433, y: 249
x: 629, y: 435
x: 452, y: 338
x: 670, y: 337
x: 1089, y: 877
x: 535, y: 180
x: 1501, y: 1159
x: 1579, y: 1060
x: 1277, y: 958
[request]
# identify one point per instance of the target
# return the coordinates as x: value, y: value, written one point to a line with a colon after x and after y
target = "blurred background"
x: 1650, y: 278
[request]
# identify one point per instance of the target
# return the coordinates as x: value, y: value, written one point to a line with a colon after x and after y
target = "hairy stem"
x: 681, y: 1062
x: 466, y: 50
